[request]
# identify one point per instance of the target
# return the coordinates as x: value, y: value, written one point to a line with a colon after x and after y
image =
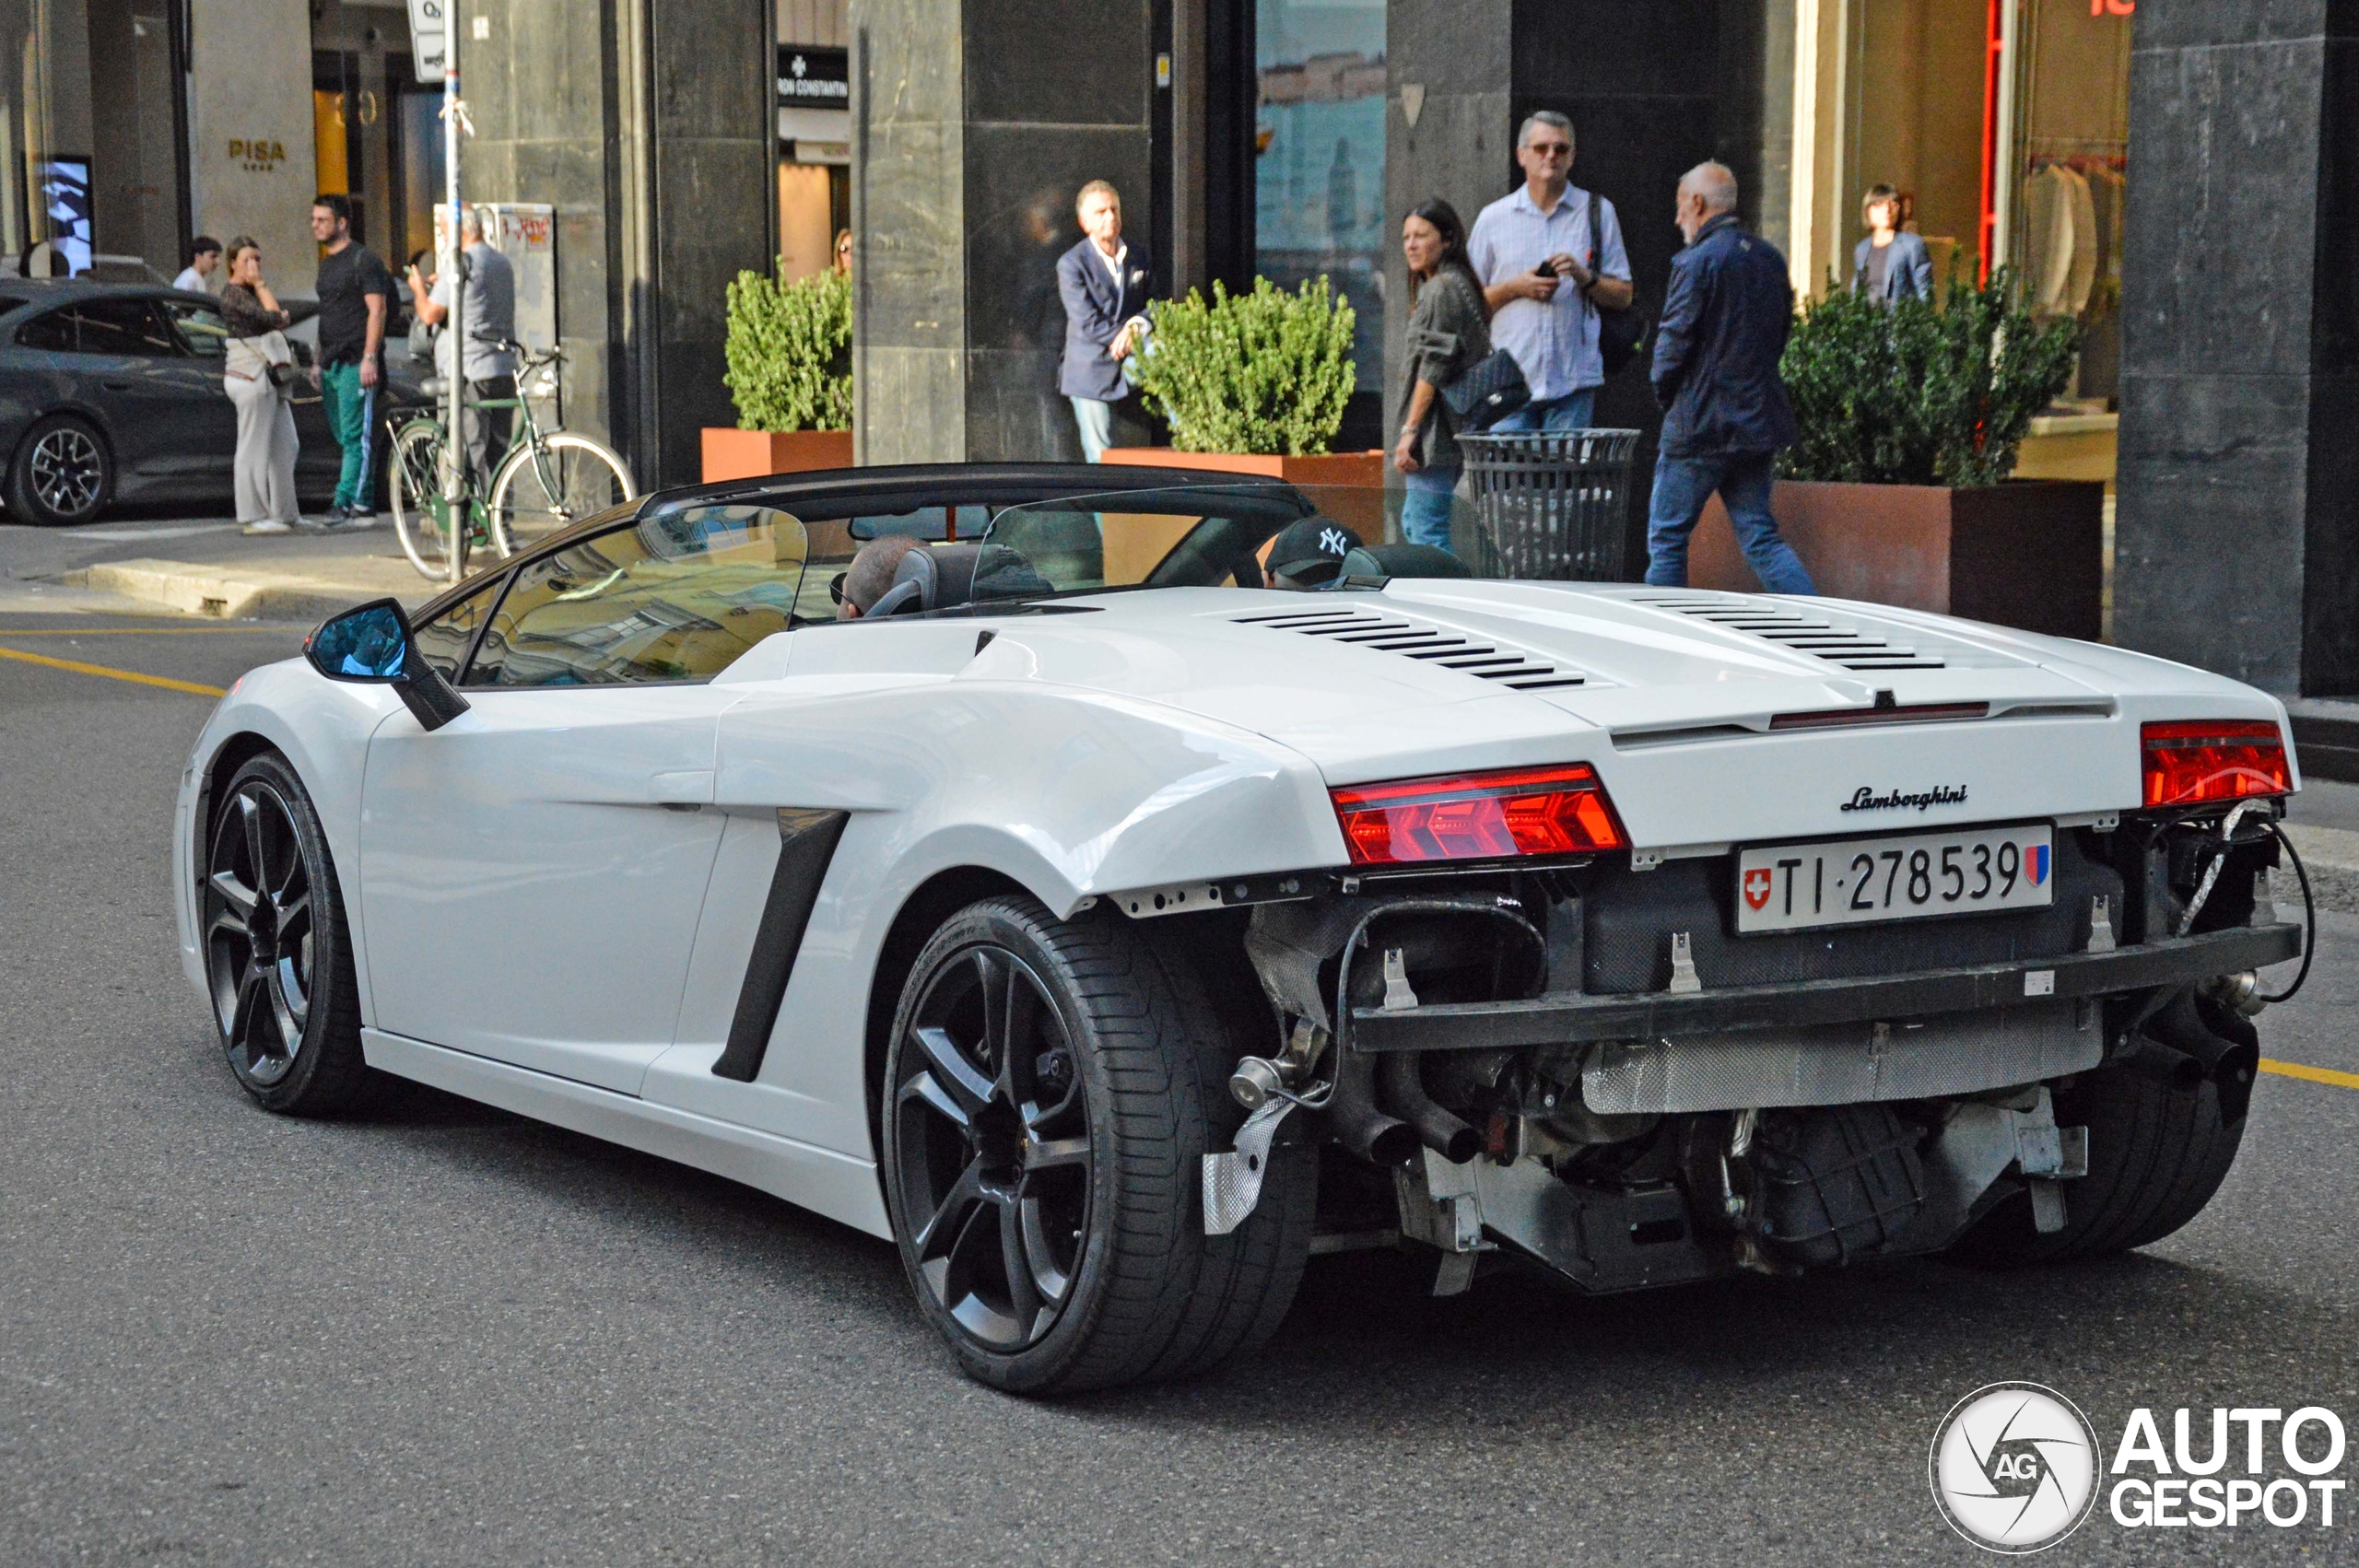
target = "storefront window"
x: 1318, y: 141
x: 814, y: 134
x: 45, y: 134
x: 2071, y: 168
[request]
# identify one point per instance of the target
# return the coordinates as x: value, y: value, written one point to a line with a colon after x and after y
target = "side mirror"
x: 371, y: 645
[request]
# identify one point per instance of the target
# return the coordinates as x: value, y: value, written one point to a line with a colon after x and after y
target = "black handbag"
x: 1621, y: 334
x: 1486, y: 392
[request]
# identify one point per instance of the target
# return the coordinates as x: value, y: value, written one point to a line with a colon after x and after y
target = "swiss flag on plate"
x: 1756, y: 886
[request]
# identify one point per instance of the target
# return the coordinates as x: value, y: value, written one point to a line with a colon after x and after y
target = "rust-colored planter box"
x: 1339, y: 474
x: 749, y: 454
x: 2028, y: 554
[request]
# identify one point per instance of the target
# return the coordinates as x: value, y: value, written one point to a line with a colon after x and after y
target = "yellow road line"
x: 78, y: 668
x: 263, y: 630
x: 2314, y: 1074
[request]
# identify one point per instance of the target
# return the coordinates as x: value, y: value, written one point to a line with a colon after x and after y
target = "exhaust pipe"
x: 1404, y: 1092
x: 1355, y: 1121
x: 2173, y: 1069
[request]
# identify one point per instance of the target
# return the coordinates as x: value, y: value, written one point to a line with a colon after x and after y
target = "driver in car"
x: 870, y: 576
x: 1308, y: 555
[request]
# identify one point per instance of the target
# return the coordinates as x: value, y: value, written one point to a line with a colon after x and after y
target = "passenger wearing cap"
x: 1308, y: 555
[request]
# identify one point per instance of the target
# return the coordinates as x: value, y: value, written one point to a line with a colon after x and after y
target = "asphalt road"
x: 443, y: 1335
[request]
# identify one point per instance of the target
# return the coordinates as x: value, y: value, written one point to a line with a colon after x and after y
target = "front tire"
x: 277, y: 954
x: 1051, y: 1088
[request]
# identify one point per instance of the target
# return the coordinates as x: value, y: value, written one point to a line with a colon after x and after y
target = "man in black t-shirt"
x: 356, y: 297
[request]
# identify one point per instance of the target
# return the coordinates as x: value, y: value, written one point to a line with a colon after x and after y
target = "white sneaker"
x: 268, y: 525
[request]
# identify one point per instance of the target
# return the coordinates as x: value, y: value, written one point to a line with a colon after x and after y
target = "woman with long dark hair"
x: 257, y: 371
x: 1449, y: 331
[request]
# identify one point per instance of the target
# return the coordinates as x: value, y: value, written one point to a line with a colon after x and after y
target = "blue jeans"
x: 351, y: 409
x: 1425, y: 510
x: 1096, y: 419
x: 1682, y: 486
x: 1570, y: 412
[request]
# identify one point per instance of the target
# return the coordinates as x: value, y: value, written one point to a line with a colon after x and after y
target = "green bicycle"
x: 546, y: 479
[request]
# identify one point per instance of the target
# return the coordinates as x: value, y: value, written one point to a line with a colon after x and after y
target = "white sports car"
x: 1113, y: 936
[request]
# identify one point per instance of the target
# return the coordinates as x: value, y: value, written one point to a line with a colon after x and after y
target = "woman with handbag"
x: 1450, y: 335
x: 259, y: 373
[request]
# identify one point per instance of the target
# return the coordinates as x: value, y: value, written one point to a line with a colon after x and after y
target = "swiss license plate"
x: 1784, y: 887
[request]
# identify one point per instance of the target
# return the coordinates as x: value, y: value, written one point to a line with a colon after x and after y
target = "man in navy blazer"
x: 1104, y: 295
x: 1891, y: 264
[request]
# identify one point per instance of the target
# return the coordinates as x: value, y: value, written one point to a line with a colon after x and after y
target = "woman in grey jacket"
x: 1449, y: 332
x: 1891, y: 264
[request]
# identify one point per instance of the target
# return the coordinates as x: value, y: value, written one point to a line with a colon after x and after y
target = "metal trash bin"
x: 1550, y: 504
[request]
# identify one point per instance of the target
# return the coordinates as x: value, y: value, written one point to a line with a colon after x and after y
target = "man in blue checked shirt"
x: 1532, y: 249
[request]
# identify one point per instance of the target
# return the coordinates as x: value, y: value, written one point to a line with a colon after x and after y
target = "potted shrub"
x: 790, y: 372
x: 1255, y: 383
x: 1898, y: 490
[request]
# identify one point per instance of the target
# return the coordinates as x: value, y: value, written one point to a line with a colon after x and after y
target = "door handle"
x: 116, y: 386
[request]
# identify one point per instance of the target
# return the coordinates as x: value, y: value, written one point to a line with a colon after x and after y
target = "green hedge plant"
x: 1907, y: 394
x: 1265, y: 373
x: 789, y: 352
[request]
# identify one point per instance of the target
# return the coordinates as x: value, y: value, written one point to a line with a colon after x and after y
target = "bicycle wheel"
x: 415, y: 479
x: 537, y: 492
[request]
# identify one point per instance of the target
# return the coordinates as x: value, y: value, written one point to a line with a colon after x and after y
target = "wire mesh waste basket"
x: 1550, y: 503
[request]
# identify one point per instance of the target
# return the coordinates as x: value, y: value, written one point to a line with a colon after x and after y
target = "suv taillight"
x: 1479, y: 816
x: 2191, y: 762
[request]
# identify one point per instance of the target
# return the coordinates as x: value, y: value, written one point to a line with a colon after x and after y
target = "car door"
x: 205, y: 451
x: 533, y: 872
x: 162, y: 420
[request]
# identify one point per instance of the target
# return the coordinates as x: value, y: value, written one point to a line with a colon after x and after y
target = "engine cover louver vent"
x: 1416, y: 639
x: 1821, y: 639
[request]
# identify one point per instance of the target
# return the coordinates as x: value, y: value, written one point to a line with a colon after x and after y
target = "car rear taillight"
x: 1479, y: 816
x: 2190, y: 762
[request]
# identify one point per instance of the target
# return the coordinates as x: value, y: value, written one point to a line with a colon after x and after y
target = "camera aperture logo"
x: 2014, y: 1468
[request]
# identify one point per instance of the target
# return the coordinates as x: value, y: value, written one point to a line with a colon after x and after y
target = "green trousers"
x: 352, y: 417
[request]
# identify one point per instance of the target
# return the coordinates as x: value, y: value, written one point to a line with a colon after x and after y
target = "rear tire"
x: 63, y: 474
x: 2156, y: 1156
x: 1095, y: 1200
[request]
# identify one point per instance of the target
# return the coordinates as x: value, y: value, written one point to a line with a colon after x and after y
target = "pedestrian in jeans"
x: 1891, y: 264
x: 490, y: 317
x: 356, y: 296
x: 1530, y: 253
x: 263, y: 471
x: 1448, y: 333
x: 1105, y: 296
x: 1724, y: 324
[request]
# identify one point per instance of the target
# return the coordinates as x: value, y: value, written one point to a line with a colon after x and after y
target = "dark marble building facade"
x: 2237, y: 537
x: 646, y: 125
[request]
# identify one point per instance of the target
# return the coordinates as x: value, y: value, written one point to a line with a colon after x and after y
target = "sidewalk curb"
x: 243, y: 594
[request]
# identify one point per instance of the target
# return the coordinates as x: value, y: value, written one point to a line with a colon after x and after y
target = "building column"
x: 974, y: 125
x: 650, y: 126
x: 2237, y: 541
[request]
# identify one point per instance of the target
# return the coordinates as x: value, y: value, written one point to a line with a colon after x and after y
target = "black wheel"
x: 63, y: 473
x: 277, y: 958
x: 1050, y: 1089
x: 2156, y: 1155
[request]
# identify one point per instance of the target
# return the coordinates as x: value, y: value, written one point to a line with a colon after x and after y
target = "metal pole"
x: 455, y: 478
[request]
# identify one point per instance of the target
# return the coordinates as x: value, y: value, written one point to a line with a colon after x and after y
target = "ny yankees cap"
x: 1311, y: 551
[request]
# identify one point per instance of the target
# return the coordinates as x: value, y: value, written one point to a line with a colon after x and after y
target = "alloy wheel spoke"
x: 1040, y: 1252
x: 929, y: 1089
x: 998, y: 981
x: 282, y: 1015
x: 242, y: 1020
x: 235, y: 893
x: 292, y: 914
x: 944, y: 1223
x: 229, y: 921
x: 1023, y: 1289
x: 250, y: 818
x: 1049, y: 1154
x: 950, y: 1065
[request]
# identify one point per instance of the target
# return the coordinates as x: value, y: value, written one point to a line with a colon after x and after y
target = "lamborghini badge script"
x: 1867, y: 800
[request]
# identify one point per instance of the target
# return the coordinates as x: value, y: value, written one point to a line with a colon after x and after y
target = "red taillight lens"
x: 1479, y: 816
x: 2190, y: 762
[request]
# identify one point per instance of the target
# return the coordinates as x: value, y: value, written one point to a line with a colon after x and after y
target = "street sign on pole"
x: 428, y: 37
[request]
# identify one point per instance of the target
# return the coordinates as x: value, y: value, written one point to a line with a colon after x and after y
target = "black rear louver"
x: 1415, y: 639
x: 1821, y: 639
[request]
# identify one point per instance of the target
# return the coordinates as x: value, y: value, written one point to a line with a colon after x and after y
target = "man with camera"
x: 1532, y: 249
